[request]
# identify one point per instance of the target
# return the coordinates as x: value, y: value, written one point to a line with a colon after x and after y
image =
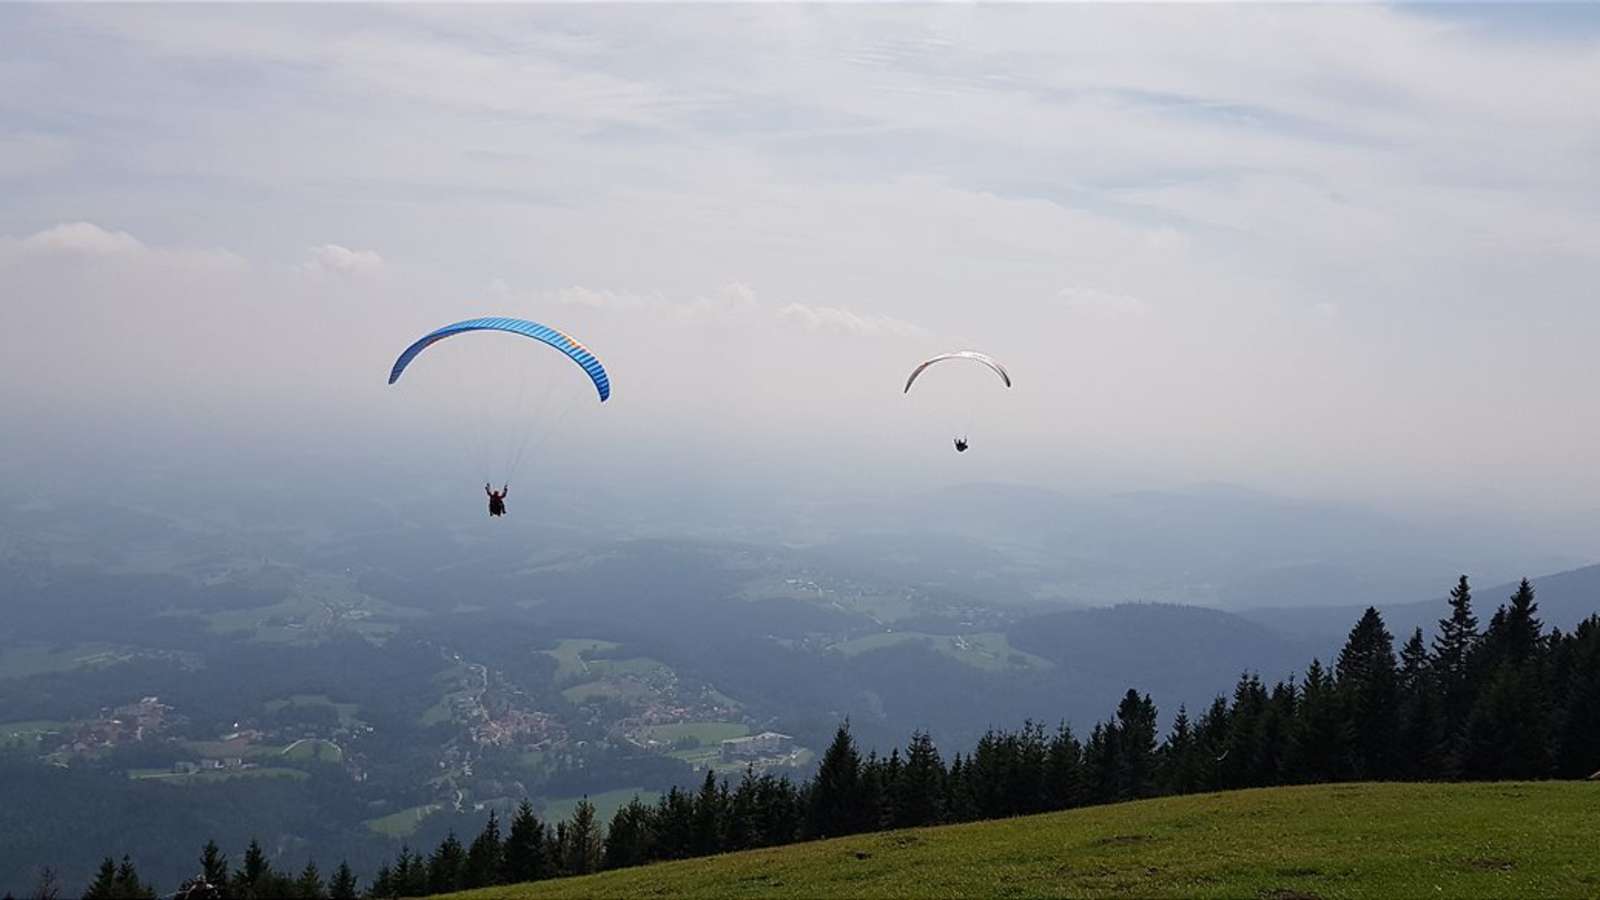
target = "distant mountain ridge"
x: 1565, y: 599
x: 1212, y: 545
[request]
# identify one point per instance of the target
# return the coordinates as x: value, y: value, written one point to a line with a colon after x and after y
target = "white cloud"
x: 82, y: 237
x: 736, y: 303
x: 728, y: 302
x: 835, y: 320
x: 117, y: 249
x: 333, y: 259
x: 591, y: 298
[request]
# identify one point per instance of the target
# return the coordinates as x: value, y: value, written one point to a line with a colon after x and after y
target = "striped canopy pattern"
x: 577, y: 352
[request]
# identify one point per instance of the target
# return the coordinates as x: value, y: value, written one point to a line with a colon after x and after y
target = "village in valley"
x: 499, y: 740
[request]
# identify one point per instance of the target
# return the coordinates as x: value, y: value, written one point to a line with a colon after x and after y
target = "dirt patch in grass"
x: 1491, y: 864
x: 1123, y: 840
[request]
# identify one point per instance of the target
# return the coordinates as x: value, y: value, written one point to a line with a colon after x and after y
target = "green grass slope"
x: 1329, y: 841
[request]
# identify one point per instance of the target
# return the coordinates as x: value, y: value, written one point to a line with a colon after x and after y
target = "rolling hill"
x: 1351, y: 840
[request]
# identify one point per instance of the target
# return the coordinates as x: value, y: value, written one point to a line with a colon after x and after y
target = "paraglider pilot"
x: 961, y: 445
x: 497, y: 499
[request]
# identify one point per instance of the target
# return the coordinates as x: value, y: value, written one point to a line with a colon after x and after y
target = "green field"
x: 211, y: 776
x: 628, y: 689
x: 709, y: 734
x: 237, y: 747
x: 605, y: 805
x: 310, y: 606
x: 569, y: 654
x: 31, y: 727
x: 403, y: 823
x: 987, y: 650
x: 436, y: 714
x: 346, y: 711
x: 637, y: 666
x: 885, y: 606
x: 22, y: 660
x: 451, y: 679
x: 27, y: 735
x: 1510, y: 839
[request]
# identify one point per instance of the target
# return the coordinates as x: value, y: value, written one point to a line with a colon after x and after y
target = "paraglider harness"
x: 961, y: 445
x: 497, y: 500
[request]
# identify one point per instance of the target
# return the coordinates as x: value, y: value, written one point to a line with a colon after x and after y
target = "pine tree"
x: 1211, y: 743
x: 870, y: 799
x: 835, y: 789
x: 1369, y: 685
x: 742, y: 827
x: 343, y: 885
x: 383, y: 883
x: 1277, y: 724
x: 446, y: 864
x: 1414, y: 665
x: 1319, y: 741
x: 1136, y: 723
x: 1507, y: 733
x: 214, y: 870
x: 630, y: 841
x: 1026, y: 790
x: 1577, y: 752
x: 781, y: 811
x: 583, y: 841
x: 1422, y: 727
x: 1523, y: 630
x: 1179, y: 758
x: 411, y: 873
x: 960, y: 804
x: 919, y: 791
x: 104, y: 886
x: 1453, y: 649
x: 1508, y: 730
x: 706, y: 835
x: 675, y: 824
x: 889, y: 784
x: 524, y: 851
x: 309, y: 885
x: 985, y: 776
x: 1238, y: 763
x: 254, y: 878
x: 1102, y: 763
x: 485, y: 857
x: 126, y: 884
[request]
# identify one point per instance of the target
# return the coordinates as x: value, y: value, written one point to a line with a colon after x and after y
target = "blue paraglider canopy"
x: 542, y: 333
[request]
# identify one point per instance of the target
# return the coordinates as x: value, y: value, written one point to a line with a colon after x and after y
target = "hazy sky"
x: 1326, y: 250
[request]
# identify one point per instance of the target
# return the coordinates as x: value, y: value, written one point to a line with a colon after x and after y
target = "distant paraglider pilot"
x: 497, y: 499
x: 973, y: 356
